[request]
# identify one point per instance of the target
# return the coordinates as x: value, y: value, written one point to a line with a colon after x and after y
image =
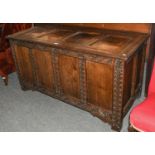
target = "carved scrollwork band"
x: 117, y: 94
x: 82, y: 66
x: 56, y: 72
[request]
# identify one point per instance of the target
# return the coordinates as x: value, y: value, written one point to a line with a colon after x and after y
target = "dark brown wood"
x: 99, y: 89
x: 24, y: 63
x: 69, y: 76
x: 151, y: 56
x: 95, y: 70
x: 134, y: 27
x: 44, y: 69
x: 148, y: 28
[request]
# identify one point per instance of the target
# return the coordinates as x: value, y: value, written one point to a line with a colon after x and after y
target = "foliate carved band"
x: 82, y: 66
x: 56, y: 72
x: 118, y: 94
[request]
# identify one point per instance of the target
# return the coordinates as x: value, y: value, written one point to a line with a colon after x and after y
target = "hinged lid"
x: 101, y: 42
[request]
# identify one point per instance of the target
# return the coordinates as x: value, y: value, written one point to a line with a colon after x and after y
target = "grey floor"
x: 33, y: 111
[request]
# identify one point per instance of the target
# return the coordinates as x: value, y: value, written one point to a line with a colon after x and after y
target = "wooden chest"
x: 99, y: 71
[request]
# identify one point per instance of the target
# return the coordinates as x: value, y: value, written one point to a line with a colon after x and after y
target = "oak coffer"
x: 99, y: 71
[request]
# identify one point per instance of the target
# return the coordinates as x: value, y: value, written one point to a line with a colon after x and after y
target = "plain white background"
x: 78, y: 11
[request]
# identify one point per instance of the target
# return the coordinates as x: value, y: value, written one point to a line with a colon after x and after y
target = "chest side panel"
x: 139, y: 64
x: 128, y: 80
x: 99, y: 84
x: 24, y: 63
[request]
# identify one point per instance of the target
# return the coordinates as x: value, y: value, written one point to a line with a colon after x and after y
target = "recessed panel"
x: 69, y: 76
x: 99, y: 84
x: 139, y: 60
x: 35, y: 33
x: 24, y: 63
x: 128, y: 77
x: 56, y: 35
x: 83, y: 38
x: 44, y: 69
x: 111, y: 43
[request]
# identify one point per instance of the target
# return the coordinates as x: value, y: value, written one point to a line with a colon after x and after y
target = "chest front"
x: 100, y: 72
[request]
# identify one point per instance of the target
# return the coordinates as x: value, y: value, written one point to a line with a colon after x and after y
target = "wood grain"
x: 99, y: 84
x: 24, y: 63
x: 128, y: 81
x: 69, y: 75
x: 43, y: 64
x: 136, y: 27
x: 98, y: 71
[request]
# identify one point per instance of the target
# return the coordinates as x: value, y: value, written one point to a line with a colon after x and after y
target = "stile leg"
x: 5, y: 79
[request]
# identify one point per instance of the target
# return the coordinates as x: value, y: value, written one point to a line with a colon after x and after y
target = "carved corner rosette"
x: 117, y: 94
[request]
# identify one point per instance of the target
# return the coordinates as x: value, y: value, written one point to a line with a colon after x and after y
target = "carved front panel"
x: 69, y: 76
x: 99, y: 71
x: 43, y: 68
x: 24, y: 64
x: 99, y: 84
